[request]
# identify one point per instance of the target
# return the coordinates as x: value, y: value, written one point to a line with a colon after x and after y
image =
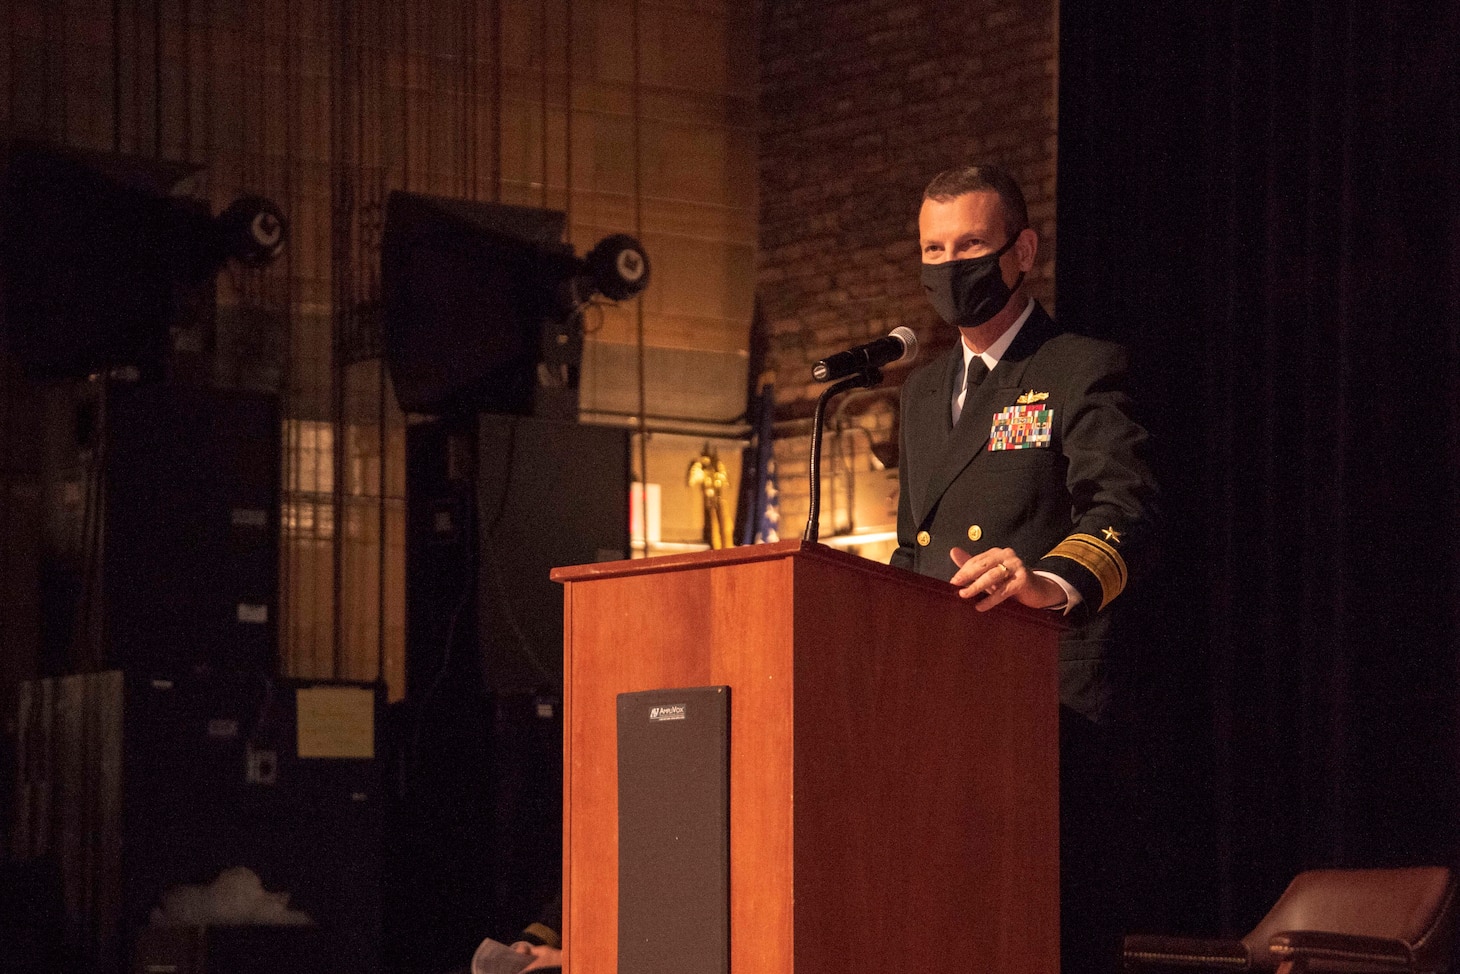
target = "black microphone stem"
x: 862, y: 380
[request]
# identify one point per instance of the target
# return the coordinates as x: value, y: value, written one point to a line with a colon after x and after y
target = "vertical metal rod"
x: 497, y: 100
x: 383, y: 547
x: 157, y: 78
x: 468, y: 102
x: 116, y: 75
x: 639, y: 300
x: 405, y: 88
x: 137, y: 113
x: 185, y: 30
x: 568, y: 118
x: 340, y: 210
x: 290, y: 438
x: 57, y: 38
x: 542, y: 71
x: 371, y: 289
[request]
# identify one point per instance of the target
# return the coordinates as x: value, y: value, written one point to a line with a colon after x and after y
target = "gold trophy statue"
x: 707, y: 472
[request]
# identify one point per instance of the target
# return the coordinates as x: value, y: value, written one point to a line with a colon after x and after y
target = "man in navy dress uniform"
x: 1024, y: 477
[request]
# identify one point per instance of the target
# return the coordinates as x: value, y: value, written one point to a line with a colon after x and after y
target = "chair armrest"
x: 1341, y: 950
x: 1141, y: 952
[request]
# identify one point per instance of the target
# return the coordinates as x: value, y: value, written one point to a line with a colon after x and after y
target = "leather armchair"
x: 1346, y: 921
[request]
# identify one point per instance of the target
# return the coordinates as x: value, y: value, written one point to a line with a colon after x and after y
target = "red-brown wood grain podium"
x: 893, y: 758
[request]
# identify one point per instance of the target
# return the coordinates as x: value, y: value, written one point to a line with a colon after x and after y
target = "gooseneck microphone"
x: 899, y: 346
x: 856, y: 368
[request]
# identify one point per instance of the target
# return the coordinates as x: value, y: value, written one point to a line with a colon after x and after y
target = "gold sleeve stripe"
x: 1099, y: 558
x: 546, y: 934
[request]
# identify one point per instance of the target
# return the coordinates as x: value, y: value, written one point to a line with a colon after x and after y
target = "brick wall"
x: 861, y: 103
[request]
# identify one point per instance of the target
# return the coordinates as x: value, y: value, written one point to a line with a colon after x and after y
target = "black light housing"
x: 482, y: 303
x: 101, y: 255
x: 252, y: 231
x: 618, y: 267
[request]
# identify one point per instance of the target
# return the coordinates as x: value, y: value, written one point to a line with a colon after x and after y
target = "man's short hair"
x: 953, y: 183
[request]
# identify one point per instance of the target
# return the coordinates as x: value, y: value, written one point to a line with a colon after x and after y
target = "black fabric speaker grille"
x: 674, y: 831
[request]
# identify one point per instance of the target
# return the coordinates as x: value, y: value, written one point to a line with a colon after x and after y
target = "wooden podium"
x: 894, y: 797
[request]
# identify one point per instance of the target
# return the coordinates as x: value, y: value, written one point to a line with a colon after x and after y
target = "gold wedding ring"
x: 1007, y: 573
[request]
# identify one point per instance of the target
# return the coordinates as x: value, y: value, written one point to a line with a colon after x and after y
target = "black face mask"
x: 969, y: 292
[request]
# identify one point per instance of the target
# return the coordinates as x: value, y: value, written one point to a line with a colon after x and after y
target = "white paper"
x: 497, y: 958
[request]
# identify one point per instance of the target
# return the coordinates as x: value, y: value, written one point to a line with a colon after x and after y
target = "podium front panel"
x: 892, y: 764
x: 641, y: 632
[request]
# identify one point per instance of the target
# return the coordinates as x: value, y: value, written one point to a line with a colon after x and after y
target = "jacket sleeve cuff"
x: 1072, y: 594
x: 1093, y: 567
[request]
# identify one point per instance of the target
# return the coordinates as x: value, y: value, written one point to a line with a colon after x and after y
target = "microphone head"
x: 909, y: 343
x: 900, y: 345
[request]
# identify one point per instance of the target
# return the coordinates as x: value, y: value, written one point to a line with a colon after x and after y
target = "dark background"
x: 1260, y: 199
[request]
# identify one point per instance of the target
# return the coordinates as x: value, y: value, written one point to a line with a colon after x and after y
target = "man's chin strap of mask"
x: 970, y: 291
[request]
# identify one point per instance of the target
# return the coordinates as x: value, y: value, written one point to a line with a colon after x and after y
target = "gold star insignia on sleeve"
x: 1111, y: 535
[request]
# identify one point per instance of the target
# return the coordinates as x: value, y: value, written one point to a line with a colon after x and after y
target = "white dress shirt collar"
x: 994, y: 352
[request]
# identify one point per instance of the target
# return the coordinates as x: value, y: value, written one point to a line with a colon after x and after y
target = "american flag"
x: 760, y: 495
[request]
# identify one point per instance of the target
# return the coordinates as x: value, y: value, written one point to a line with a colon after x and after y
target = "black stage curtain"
x: 1263, y: 200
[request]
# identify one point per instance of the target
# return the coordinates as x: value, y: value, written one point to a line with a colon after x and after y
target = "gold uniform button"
x: 924, y: 538
x: 975, y: 532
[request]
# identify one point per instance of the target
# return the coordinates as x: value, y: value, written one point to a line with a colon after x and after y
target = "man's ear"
x: 1025, y: 248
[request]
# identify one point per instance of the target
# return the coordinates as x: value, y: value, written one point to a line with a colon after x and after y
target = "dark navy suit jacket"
x: 1077, y: 499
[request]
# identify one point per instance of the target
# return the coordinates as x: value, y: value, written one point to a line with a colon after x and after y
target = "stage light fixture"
x: 103, y: 255
x: 618, y: 267
x: 252, y: 230
x: 483, y: 302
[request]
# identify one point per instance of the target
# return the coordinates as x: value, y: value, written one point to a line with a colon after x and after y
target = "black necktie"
x: 975, y: 374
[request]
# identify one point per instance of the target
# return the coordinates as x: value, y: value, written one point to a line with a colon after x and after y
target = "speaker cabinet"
x: 474, y: 825
x: 494, y: 502
x: 548, y: 494
x: 162, y: 540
